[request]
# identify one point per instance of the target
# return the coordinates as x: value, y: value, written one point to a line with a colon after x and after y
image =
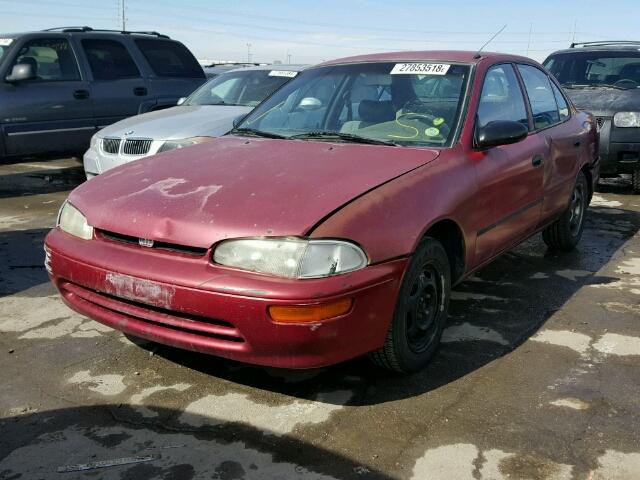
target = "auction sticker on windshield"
x: 282, y: 73
x: 5, y: 42
x: 420, y: 68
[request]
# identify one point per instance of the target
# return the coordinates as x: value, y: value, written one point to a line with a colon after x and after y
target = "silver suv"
x: 207, y: 113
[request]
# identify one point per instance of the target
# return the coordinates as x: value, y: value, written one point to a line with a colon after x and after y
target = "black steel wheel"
x: 421, y: 311
x: 565, y: 233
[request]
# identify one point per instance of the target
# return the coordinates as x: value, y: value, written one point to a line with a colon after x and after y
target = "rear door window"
x: 501, y: 97
x: 52, y: 59
x: 109, y: 60
x: 541, y: 98
x: 170, y: 59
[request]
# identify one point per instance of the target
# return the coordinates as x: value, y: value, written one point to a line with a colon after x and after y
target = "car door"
x: 550, y: 112
x: 509, y: 176
x: 51, y: 112
x: 117, y: 86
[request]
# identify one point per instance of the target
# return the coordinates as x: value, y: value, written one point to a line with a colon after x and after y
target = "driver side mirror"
x: 181, y: 100
x: 21, y: 72
x: 500, y: 132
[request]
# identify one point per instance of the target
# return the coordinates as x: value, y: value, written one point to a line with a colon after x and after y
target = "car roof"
x: 430, y: 55
x: 603, y: 46
x: 66, y: 31
x: 280, y: 67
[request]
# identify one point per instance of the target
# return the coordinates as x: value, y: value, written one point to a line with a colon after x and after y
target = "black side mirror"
x: 500, y: 132
x: 21, y: 72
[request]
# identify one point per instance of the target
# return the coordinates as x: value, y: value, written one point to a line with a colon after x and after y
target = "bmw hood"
x: 605, y: 102
x: 238, y: 187
x: 174, y: 123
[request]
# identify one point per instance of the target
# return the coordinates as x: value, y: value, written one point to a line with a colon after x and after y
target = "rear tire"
x: 420, y: 313
x: 565, y: 233
x: 635, y: 181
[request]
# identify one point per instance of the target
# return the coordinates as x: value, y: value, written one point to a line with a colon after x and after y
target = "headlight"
x: 291, y: 257
x: 73, y: 222
x: 182, y: 143
x: 94, y: 141
x: 626, y: 119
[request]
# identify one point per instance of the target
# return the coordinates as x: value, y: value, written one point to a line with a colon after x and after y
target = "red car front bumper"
x: 188, y: 302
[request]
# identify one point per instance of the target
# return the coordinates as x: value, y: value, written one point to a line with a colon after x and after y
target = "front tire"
x: 565, y: 233
x: 420, y: 313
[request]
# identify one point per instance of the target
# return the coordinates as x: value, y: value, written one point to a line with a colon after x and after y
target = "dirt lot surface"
x: 538, y: 376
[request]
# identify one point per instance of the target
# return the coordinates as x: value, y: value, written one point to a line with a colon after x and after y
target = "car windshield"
x: 393, y: 103
x: 247, y: 88
x: 596, y: 69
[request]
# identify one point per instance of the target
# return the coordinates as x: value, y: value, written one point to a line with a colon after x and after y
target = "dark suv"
x: 603, y: 78
x: 58, y: 86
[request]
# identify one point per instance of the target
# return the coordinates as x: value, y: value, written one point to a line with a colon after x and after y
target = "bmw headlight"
x: 93, y: 144
x: 291, y: 257
x: 626, y: 119
x: 72, y: 221
x: 182, y: 143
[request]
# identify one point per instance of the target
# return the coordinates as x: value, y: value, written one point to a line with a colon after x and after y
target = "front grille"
x: 173, y: 247
x: 152, y: 315
x: 136, y: 146
x: 600, y: 122
x: 111, y: 145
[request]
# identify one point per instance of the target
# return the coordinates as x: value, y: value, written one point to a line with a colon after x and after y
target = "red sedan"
x: 333, y: 220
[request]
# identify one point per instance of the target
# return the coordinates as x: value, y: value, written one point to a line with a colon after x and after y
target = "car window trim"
x: 554, y: 97
x: 27, y: 41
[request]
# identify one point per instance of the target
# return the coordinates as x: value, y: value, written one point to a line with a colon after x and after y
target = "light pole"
x: 288, y: 58
x: 124, y: 21
x: 248, y: 53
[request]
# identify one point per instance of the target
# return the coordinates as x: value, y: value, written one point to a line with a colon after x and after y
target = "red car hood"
x: 238, y: 187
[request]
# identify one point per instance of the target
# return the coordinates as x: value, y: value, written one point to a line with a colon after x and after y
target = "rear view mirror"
x: 21, y: 72
x: 181, y: 100
x: 500, y: 132
x: 310, y: 103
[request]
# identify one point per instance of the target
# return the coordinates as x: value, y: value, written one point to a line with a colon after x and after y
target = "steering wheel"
x: 626, y: 83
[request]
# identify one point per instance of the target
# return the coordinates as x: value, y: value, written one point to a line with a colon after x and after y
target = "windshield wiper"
x: 256, y: 133
x: 341, y: 136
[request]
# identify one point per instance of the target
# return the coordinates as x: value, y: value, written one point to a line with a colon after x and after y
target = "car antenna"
x: 477, y: 55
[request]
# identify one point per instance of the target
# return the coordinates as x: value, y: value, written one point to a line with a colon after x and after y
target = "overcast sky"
x: 311, y: 31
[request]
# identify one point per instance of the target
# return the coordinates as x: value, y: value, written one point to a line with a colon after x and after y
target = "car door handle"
x: 537, y: 161
x: 81, y: 94
x: 140, y: 91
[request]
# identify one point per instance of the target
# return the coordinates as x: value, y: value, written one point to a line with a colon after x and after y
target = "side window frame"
x: 528, y: 101
x: 26, y: 43
x: 523, y: 94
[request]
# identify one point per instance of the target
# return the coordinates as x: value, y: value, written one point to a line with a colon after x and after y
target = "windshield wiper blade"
x: 257, y: 133
x: 341, y: 136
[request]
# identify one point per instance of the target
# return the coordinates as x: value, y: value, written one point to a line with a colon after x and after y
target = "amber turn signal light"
x: 310, y: 313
